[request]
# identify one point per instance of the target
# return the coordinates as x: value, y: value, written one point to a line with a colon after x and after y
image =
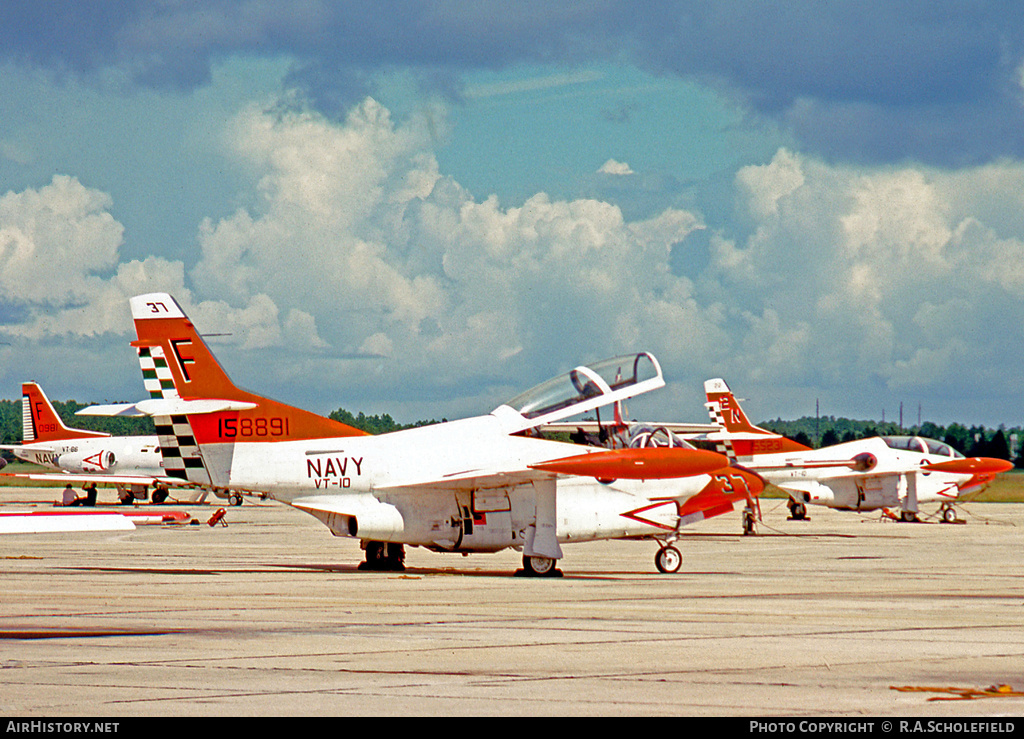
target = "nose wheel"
x: 668, y: 560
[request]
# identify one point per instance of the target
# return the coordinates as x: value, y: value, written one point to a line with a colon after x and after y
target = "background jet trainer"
x: 868, y: 474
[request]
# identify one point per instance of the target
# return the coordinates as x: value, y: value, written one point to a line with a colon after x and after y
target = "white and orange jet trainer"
x: 79, y: 456
x: 883, y: 472
x: 479, y: 484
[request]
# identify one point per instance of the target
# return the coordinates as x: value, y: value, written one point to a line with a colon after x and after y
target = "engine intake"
x: 864, y: 462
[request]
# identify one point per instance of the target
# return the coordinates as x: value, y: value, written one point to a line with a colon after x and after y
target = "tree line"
x: 816, y: 432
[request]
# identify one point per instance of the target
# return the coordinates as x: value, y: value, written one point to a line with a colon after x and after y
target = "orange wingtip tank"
x: 649, y: 463
x: 971, y: 466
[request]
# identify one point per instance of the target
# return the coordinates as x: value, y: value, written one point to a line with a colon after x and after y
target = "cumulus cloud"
x: 329, y: 224
x: 60, y: 247
x: 60, y: 231
x: 828, y: 287
x: 358, y: 228
x: 613, y: 167
x: 877, y: 277
x: 361, y: 270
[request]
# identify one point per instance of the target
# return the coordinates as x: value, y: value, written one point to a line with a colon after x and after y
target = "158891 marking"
x: 252, y: 427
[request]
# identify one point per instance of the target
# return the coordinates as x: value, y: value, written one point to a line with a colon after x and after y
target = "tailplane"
x: 40, y: 422
x: 177, y: 365
x: 741, y: 439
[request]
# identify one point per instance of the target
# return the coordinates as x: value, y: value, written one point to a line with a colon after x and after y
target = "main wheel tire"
x: 376, y: 556
x: 538, y: 566
x: 668, y: 560
x: 395, y: 557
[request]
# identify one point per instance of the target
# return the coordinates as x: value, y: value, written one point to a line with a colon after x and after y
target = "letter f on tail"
x: 40, y: 422
x: 177, y: 363
x: 175, y: 360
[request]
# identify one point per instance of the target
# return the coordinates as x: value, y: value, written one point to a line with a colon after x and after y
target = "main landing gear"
x: 539, y: 567
x: 749, y: 521
x: 384, y: 557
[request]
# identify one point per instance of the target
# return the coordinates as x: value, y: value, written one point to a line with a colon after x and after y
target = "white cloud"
x: 63, y: 277
x: 767, y: 184
x: 851, y: 278
x: 59, y: 246
x: 330, y: 194
x: 613, y: 167
x: 52, y: 238
x: 856, y: 265
x: 388, y: 257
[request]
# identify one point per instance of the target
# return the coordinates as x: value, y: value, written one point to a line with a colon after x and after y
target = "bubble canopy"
x: 922, y: 445
x: 587, y: 387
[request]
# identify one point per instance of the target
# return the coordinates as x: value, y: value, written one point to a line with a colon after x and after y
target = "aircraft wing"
x: 649, y: 463
x: 471, y: 480
x: 726, y: 488
x: 720, y: 496
x: 51, y: 522
x: 165, y: 407
x: 47, y: 522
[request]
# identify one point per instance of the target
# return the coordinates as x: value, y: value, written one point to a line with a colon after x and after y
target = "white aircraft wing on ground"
x: 50, y: 522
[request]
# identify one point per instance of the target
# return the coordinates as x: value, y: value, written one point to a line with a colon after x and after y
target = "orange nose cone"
x: 971, y: 466
x: 648, y: 463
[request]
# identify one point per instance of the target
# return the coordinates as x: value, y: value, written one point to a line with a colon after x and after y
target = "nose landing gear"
x: 668, y: 560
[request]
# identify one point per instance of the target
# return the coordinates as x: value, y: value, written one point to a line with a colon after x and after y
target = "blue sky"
x: 425, y: 208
